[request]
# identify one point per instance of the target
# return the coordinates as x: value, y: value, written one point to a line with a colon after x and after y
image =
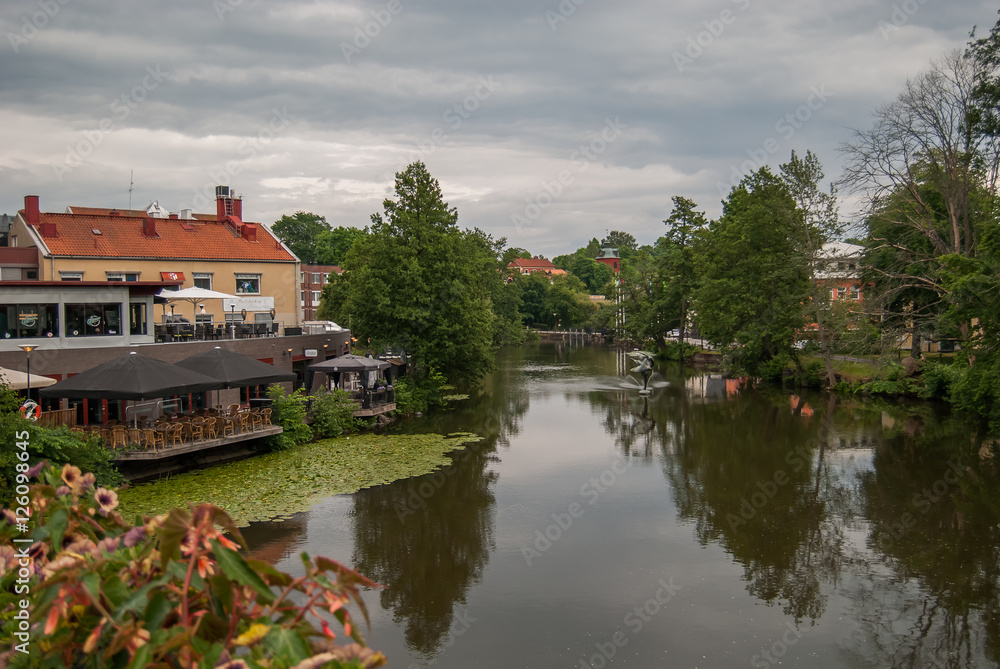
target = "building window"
x: 855, y: 293
x: 302, y: 277
x: 248, y: 284
x: 93, y: 320
x: 841, y: 292
x: 315, y: 297
x: 203, y: 281
x: 18, y: 321
x: 71, y: 276
x: 121, y: 276
x: 315, y: 277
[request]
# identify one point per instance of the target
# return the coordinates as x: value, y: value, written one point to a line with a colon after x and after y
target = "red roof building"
x: 532, y: 265
x: 219, y: 251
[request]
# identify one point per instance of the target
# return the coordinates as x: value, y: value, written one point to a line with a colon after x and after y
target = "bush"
x: 413, y: 396
x: 332, y: 413
x: 288, y: 411
x: 675, y: 350
x: 940, y: 380
x: 173, y: 591
x: 57, y: 445
x: 774, y: 369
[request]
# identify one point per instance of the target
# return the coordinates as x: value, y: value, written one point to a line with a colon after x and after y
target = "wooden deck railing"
x: 65, y: 417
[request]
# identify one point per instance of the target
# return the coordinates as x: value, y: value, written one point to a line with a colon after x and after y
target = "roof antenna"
x: 131, y: 182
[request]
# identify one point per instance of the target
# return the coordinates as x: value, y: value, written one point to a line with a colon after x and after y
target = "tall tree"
x: 299, y: 232
x: 417, y: 281
x: 332, y: 245
x: 593, y: 274
x: 623, y: 241
x: 754, y: 279
x: 918, y: 170
x: 678, y: 271
x: 820, y: 224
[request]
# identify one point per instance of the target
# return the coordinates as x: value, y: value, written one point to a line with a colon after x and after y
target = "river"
x: 712, y: 524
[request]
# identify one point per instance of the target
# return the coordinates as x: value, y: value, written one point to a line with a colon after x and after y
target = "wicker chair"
x: 256, y: 420
x: 119, y: 438
x: 209, y: 427
x: 154, y: 437
x: 196, y: 429
x: 173, y: 434
x: 136, y: 437
x: 265, y: 414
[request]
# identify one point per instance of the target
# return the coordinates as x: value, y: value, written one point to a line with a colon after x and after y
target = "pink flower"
x: 106, y: 499
x: 134, y: 536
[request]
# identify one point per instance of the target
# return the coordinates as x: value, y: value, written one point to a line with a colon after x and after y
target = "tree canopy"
x: 299, y: 233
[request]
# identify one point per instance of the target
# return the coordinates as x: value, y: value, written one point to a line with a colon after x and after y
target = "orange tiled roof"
x: 532, y: 263
x: 121, y: 237
x: 104, y: 211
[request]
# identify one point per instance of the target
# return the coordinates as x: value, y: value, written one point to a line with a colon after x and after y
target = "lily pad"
x: 276, y: 485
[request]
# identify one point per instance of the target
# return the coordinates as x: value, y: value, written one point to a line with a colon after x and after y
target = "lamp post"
x: 28, y: 348
x: 232, y: 320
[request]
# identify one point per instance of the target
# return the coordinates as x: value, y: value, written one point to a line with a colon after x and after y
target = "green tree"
x: 512, y: 254
x: 332, y: 245
x: 755, y: 281
x: 650, y: 312
x: 623, y: 241
x: 820, y: 221
x: 678, y: 272
x: 534, y: 289
x: 593, y: 274
x: 417, y: 281
x: 299, y: 233
x: 568, y: 302
x: 921, y: 169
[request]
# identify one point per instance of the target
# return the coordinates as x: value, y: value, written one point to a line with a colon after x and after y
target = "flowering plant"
x: 173, y: 591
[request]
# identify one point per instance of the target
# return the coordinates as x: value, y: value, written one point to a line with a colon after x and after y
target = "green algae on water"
x: 276, y: 485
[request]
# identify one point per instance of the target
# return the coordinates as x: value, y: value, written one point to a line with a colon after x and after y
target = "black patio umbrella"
x: 234, y: 370
x: 132, y: 377
x: 348, y: 363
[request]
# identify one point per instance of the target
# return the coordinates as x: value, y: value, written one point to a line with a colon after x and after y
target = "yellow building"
x: 217, y: 251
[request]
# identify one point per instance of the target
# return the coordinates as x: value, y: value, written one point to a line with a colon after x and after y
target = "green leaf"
x: 57, y: 526
x: 286, y: 645
x: 174, y: 529
x: 114, y: 589
x: 142, y: 657
x: 236, y: 568
x: 157, y: 610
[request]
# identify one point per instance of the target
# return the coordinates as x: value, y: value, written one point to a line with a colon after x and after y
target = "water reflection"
x: 428, y: 539
x: 870, y: 528
x: 817, y: 497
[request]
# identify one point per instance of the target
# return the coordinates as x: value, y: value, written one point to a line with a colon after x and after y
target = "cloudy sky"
x: 547, y: 122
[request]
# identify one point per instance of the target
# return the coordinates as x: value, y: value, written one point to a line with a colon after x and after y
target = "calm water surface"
x: 710, y: 525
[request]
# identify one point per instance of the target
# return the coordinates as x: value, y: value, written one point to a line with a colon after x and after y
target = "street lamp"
x: 28, y: 348
x: 232, y: 320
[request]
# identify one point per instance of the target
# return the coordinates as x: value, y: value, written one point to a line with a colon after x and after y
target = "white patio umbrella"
x: 194, y: 295
x: 19, y: 380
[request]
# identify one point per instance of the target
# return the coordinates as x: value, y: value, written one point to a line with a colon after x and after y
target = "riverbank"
x: 274, y: 486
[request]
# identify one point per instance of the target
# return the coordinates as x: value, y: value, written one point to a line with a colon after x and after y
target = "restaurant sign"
x: 250, y: 303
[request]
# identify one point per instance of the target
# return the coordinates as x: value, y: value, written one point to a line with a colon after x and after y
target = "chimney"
x: 238, y: 208
x: 186, y: 214
x: 149, y: 227
x: 174, y: 217
x: 31, y: 209
x: 249, y: 232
